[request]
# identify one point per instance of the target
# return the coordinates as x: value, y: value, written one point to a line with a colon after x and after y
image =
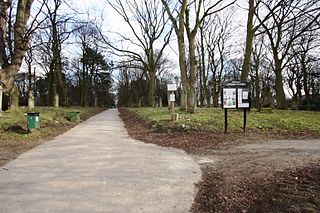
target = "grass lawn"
x: 212, y: 119
x: 15, y: 138
x: 13, y: 124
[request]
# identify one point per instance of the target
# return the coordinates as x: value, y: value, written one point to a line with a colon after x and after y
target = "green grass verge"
x: 13, y: 124
x: 212, y: 119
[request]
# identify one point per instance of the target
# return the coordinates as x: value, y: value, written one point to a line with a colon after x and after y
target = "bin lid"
x: 34, y: 113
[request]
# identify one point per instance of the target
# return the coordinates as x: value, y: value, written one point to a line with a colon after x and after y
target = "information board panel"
x: 229, y: 98
x: 243, y: 98
x: 235, y: 94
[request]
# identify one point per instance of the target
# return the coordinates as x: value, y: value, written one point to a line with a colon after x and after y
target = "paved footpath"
x: 96, y: 167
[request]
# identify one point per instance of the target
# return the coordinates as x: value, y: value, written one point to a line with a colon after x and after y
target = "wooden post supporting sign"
x: 172, y: 88
x: 1, y: 92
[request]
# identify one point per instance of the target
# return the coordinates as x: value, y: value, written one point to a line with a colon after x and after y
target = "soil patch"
x: 252, y: 172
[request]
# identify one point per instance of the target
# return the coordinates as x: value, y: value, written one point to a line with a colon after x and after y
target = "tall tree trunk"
x: 249, y: 41
x: 4, y: 6
x: 30, y: 100
x: 14, y: 98
x: 151, y: 91
x: 30, y: 90
x: 280, y: 95
x: 305, y: 80
x: 83, y: 88
x: 215, y: 95
x: 192, y: 99
x: 200, y: 71
x: 192, y: 78
x: 8, y: 72
x: 160, y: 102
x: 179, y: 29
x: 183, y: 72
x: 79, y: 86
x: 299, y: 89
x: 62, y: 88
x: 257, y: 88
x: 204, y: 75
x: 56, y: 98
x: 57, y: 66
x: 51, y: 85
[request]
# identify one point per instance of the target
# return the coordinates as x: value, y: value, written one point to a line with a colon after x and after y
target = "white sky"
x: 114, y: 23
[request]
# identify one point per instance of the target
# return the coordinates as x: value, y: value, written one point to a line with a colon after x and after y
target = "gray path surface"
x: 96, y: 167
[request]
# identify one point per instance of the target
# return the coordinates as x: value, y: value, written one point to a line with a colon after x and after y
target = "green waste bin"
x: 74, y: 117
x: 33, y: 119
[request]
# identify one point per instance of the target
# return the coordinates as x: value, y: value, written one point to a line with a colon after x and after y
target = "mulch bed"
x: 295, y: 191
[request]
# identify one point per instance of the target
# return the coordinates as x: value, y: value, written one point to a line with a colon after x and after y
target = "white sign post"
x: 172, y: 88
x: 172, y: 98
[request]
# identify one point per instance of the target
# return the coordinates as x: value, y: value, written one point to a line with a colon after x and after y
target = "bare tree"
x: 15, y: 33
x: 148, y: 23
x: 249, y: 41
x: 29, y: 60
x: 181, y: 19
x: 252, y: 28
x: 302, y: 50
x: 257, y: 68
x: 298, y: 70
x: 14, y: 39
x: 217, y: 38
x: 132, y: 85
x: 51, y: 38
x: 288, y: 21
x: 88, y: 37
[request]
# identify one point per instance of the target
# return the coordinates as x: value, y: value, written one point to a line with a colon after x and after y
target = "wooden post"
x: 172, y: 108
x: 225, y: 121
x: 1, y: 91
x: 171, y: 89
x: 244, y: 119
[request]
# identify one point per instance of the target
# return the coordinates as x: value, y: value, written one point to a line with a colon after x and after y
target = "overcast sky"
x: 113, y: 23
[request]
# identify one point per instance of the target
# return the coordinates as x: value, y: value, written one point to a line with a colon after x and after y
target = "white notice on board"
x: 245, y: 95
x: 172, y: 97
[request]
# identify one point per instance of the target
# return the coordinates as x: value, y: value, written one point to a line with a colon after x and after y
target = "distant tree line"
x: 51, y: 73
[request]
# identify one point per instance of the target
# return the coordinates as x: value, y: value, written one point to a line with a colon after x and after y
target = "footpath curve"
x: 96, y: 167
